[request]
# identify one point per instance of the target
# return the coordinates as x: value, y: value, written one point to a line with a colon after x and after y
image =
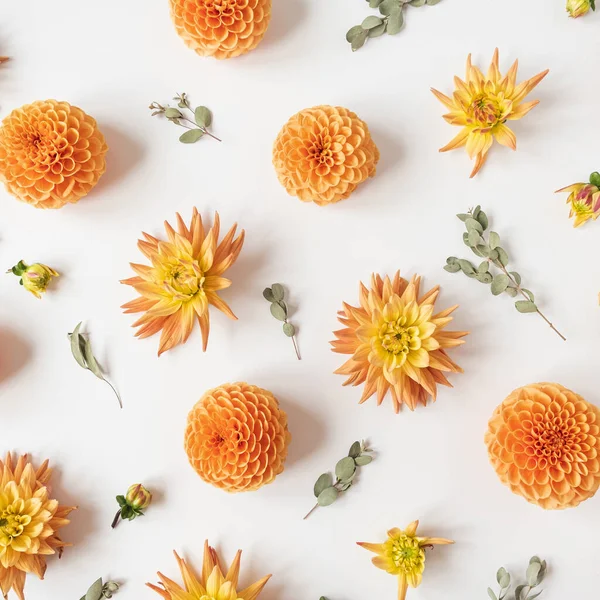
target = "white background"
x: 113, y: 58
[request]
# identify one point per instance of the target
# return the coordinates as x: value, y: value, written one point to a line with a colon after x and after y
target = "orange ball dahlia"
x: 29, y: 523
x: 323, y: 153
x: 237, y: 437
x: 543, y: 442
x: 221, y: 28
x: 51, y: 154
x: 396, y: 342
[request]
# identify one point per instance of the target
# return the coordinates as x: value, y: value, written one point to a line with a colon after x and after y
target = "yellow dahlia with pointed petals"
x: 483, y: 104
x: 403, y: 555
x: 184, y: 278
x: 29, y: 523
x: 396, y: 342
x: 212, y: 584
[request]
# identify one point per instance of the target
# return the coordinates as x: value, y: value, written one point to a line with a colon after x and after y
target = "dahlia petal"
x: 505, y: 136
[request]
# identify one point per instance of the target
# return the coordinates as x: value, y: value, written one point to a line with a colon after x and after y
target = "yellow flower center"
x: 12, y: 523
x: 407, y: 555
x: 486, y: 111
x: 181, y: 277
x: 396, y: 337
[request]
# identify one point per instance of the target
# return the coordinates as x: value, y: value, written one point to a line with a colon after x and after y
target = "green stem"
x: 115, y: 391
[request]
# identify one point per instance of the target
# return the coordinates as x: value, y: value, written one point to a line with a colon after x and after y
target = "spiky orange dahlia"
x: 221, y: 28
x: 51, y: 153
x: 396, y: 342
x: 543, y: 442
x: 184, y: 278
x: 212, y: 584
x: 323, y: 153
x: 237, y: 437
x: 482, y: 104
x: 29, y: 522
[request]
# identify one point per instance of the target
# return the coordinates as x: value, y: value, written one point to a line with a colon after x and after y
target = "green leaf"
x: 278, y: 291
x: 523, y: 306
x: 387, y: 6
x: 516, y: 277
x: 345, y: 486
x: 502, y: 256
x: 481, y: 217
x: 278, y: 312
x: 493, y: 255
x: 499, y: 284
x: 452, y: 268
x: 417, y: 3
x: 395, y: 21
x: 483, y: 267
x: 363, y: 460
x: 345, y: 468
x: 358, y: 41
x: 474, y: 238
x: 473, y: 225
x: 529, y: 294
x: 519, y: 592
x: 466, y: 266
x: 95, y: 590
x: 375, y: 3
x: 491, y: 594
x: 353, y: 32
x: 121, y: 500
x: 503, y: 577
x: 466, y: 239
x: 484, y: 250
x: 534, y: 595
x: 76, y: 347
x: 268, y: 295
x: 511, y: 291
x: 484, y: 277
x: 433, y: 2
x: 463, y: 216
x: 90, y: 359
x: 191, y: 136
x: 377, y: 31
x: 289, y: 329
x: 370, y: 22
x: 324, y: 481
x: 494, y: 240
x: 355, y: 450
x: 203, y: 117
x: 533, y: 571
x: 328, y: 496
x: 173, y: 113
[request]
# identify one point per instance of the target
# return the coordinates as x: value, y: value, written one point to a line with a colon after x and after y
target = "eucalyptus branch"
x: 276, y: 296
x: 536, y: 571
x: 476, y: 223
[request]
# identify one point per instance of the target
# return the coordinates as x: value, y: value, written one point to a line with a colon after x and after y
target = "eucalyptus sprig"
x: 99, y: 590
x: 201, y: 118
x: 81, y: 349
x: 326, y: 490
x: 391, y: 20
x: 476, y: 223
x: 536, y: 571
x: 276, y: 296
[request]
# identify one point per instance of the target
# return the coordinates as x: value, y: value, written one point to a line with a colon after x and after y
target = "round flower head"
x: 221, y: 28
x: 403, y: 555
x: 29, y: 523
x: 543, y: 442
x: 51, y: 153
x: 34, y: 278
x: 396, y: 342
x: 483, y: 104
x: 323, y: 153
x: 578, y: 8
x: 184, y: 278
x: 212, y: 584
x: 237, y: 437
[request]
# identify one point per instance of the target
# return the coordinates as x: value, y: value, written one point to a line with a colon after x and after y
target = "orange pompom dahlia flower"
x: 212, y: 584
x: 51, y: 154
x: 29, y: 523
x: 396, y: 342
x: 221, y: 28
x: 237, y: 437
x: 543, y: 442
x: 184, y: 278
x: 482, y: 104
x: 323, y: 153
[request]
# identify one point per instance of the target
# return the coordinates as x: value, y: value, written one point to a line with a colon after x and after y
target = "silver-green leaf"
x: 499, y: 284
x: 363, y: 460
x: 191, y: 136
x: 324, y: 481
x: 345, y: 468
x: 203, y: 117
x: 355, y: 450
x: 289, y: 329
x: 328, y: 496
x: 370, y: 22
x: 278, y: 312
x: 524, y: 306
x: 494, y: 240
x: 278, y: 291
x: 95, y: 590
x: 353, y: 32
x: 377, y: 31
x: 395, y: 21
x: 76, y: 347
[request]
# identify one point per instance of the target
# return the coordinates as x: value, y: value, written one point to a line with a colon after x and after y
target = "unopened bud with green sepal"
x: 132, y: 505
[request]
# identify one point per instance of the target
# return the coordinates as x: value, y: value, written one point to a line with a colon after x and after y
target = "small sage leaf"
x: 452, y: 268
x: 278, y: 312
x: 466, y: 266
x: 345, y: 468
x: 358, y: 41
x: 355, y: 450
x: 523, y: 306
x: 484, y: 277
x: 502, y: 256
x: 328, y: 496
x: 278, y: 291
x: 90, y: 360
x: 173, y: 113
x: 395, y: 21
x: 191, y: 136
x: 532, y: 573
x: 433, y: 2
x: 95, y: 590
x: 483, y: 267
x: 494, y: 240
x: 529, y: 294
x: 503, y: 577
x: 203, y: 117
x: 324, y: 481
x: 417, y: 3
x: 473, y: 225
x: 289, y: 329
x: 375, y: 3
x: 481, y: 217
x: 76, y: 347
x: 491, y: 594
x: 511, y: 291
x: 516, y: 277
x: 363, y: 460
x: 268, y: 295
x: 353, y: 32
x: 463, y: 217
x: 499, y: 284
x: 387, y: 6
x: 474, y: 238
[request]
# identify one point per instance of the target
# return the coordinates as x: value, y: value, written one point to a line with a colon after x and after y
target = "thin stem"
x: 115, y: 391
x: 201, y: 128
x: 296, y: 347
x: 311, y: 511
x: 116, y: 519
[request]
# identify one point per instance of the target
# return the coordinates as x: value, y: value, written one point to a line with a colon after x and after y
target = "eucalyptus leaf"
x: 483, y: 267
x: 173, y: 113
x: 494, y: 240
x: 502, y: 256
x: 289, y: 329
x: 519, y: 592
x: 324, y: 481
x: 491, y: 594
x: 370, y: 22
x: 278, y: 291
x: 523, y: 306
x: 417, y: 3
x: 529, y: 294
x: 355, y: 450
x: 466, y: 239
x: 377, y: 31
x: 511, y: 291
x: 363, y: 460
x: 503, y: 577
x: 499, y: 284
x: 90, y: 359
x: 395, y: 21
x: 452, y: 268
x: 534, y: 595
x: 345, y: 468
x: 387, y: 6
x: 474, y: 237
x: 203, y: 117
x: 346, y: 486
x: 481, y: 217
x: 473, y: 225
x: 466, y: 266
x: 353, y: 32
x: 278, y: 312
x: 268, y: 295
x: 484, y: 250
x: 375, y: 3
x: 433, y: 2
x: 191, y: 136
x: 463, y: 216
x: 516, y: 277
x: 484, y: 277
x: 533, y: 571
x: 75, y: 338
x: 328, y: 496
x: 358, y: 41
x: 95, y: 590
